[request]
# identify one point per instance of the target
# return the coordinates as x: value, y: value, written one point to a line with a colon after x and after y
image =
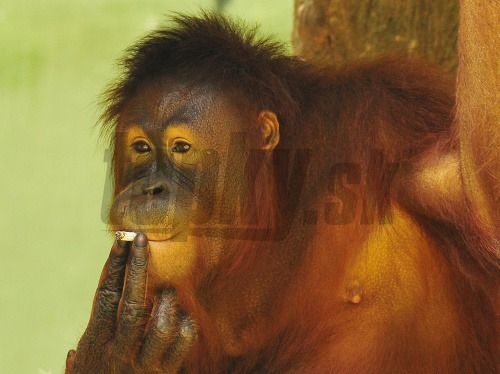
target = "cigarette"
x: 127, y: 236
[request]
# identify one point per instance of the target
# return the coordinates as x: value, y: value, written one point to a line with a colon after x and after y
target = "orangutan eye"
x: 141, y: 147
x: 184, y: 153
x: 181, y: 147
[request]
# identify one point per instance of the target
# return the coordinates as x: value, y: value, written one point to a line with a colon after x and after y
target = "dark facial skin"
x: 169, y: 138
x: 164, y: 142
x: 171, y: 141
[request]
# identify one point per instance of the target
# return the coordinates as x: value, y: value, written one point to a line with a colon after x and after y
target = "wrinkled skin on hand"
x: 127, y: 333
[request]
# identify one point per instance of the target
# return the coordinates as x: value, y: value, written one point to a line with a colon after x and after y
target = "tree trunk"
x: 478, y: 107
x: 335, y: 31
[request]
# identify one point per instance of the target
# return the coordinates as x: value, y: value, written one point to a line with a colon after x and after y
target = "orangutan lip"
x: 161, y: 239
x: 130, y: 235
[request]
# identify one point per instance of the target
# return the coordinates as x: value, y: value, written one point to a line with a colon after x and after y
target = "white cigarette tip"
x: 127, y: 236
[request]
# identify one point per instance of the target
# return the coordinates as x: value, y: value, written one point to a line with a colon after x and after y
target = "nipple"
x: 354, y: 293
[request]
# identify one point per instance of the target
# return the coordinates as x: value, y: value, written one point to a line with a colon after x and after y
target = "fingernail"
x: 141, y: 240
x: 188, y: 328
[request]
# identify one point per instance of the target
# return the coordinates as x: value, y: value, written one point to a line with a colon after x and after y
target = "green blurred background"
x: 56, y: 57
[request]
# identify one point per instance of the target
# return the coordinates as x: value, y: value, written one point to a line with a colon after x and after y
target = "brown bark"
x: 335, y: 31
x: 478, y: 106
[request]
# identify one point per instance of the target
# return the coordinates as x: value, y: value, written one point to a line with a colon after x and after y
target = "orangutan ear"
x: 269, y: 129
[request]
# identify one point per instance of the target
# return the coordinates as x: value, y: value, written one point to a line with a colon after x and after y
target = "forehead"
x: 165, y: 101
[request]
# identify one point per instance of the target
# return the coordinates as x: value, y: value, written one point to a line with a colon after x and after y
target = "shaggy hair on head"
x: 215, y: 51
